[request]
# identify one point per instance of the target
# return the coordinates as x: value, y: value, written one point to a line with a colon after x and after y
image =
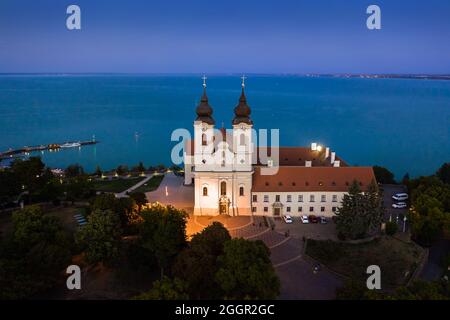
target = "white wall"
x: 294, y: 204
x: 209, y: 205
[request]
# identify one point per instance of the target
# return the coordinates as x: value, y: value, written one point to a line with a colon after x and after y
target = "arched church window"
x: 242, y: 140
x: 241, y: 191
x: 205, y: 191
x: 223, y: 188
x: 203, y: 139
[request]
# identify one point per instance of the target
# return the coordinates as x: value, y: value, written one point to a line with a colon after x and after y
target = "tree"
x: 405, y: 179
x: 100, y: 237
x: 430, y: 209
x: 33, y: 256
x: 124, y: 208
x: 10, y: 186
x: 140, y: 167
x: 383, y: 175
x: 444, y: 173
x: 163, y: 233
x: 74, y: 170
x: 246, y: 271
x: 31, y: 176
x: 98, y: 171
x: 165, y: 289
x: 361, y: 213
x: 139, y: 198
x: 197, y: 265
x: 391, y: 228
x: 121, y: 170
x: 78, y: 187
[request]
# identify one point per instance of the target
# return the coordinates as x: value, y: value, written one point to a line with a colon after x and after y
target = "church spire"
x: 204, y: 110
x: 242, y: 110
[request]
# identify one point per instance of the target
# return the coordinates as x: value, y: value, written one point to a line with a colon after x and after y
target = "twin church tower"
x: 219, y: 161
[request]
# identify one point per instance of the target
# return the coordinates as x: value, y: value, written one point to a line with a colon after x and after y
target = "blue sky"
x: 225, y: 36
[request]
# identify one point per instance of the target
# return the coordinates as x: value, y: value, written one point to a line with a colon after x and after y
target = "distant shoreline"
x: 309, y: 75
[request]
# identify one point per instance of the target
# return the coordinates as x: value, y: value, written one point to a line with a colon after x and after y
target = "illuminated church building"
x: 229, y: 177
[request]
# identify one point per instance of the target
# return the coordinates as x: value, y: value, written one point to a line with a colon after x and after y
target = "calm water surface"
x: 401, y: 124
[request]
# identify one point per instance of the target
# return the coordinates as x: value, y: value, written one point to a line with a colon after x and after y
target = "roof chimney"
x: 308, y: 163
x: 333, y: 157
x: 327, y: 152
x: 314, y: 146
x: 337, y: 163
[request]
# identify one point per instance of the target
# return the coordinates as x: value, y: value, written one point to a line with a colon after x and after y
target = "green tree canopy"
x: 74, y: 170
x: 360, y: 214
x: 198, y: 265
x: 32, y: 258
x: 163, y: 233
x: 444, y: 173
x: 100, y: 237
x: 383, y: 175
x: 165, y: 289
x: 246, y: 271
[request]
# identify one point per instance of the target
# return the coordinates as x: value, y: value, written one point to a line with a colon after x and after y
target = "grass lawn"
x: 116, y: 185
x: 150, y: 185
x: 396, y: 259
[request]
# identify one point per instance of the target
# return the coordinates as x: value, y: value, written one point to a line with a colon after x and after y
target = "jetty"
x: 52, y: 146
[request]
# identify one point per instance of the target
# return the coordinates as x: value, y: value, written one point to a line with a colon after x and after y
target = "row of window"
x: 312, y: 198
x: 299, y: 209
x: 223, y: 190
x: 320, y: 183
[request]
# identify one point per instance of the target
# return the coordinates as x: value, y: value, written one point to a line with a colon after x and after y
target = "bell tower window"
x: 223, y: 188
x: 242, y: 140
x: 204, y: 141
x: 241, y: 191
x: 205, y: 191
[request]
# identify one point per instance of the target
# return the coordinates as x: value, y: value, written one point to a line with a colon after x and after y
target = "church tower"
x: 242, y: 133
x: 204, y: 134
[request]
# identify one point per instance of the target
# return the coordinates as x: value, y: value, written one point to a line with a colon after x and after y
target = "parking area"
x: 297, y: 229
x: 392, y: 214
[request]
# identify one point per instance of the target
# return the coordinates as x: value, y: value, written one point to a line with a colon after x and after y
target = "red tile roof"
x: 299, y: 179
x: 288, y: 156
x: 296, y: 156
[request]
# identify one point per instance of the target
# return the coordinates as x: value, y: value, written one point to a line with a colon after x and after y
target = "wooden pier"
x: 52, y: 146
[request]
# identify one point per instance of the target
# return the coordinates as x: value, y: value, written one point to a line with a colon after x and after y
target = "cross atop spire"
x: 204, y: 81
x: 243, y: 80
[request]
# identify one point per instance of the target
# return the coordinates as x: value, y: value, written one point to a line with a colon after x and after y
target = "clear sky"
x: 225, y: 36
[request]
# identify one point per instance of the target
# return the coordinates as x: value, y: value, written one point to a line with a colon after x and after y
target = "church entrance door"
x: 276, y: 212
x: 224, y: 203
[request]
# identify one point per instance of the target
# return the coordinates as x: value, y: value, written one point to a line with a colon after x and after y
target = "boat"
x: 71, y: 145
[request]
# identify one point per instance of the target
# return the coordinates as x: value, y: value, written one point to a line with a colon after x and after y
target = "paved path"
x: 137, y: 185
x: 172, y: 191
x: 298, y: 281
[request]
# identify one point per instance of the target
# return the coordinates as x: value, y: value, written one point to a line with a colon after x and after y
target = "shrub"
x: 391, y: 228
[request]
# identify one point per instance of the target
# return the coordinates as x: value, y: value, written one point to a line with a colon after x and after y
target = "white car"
x: 400, y: 196
x: 399, y: 205
x: 305, y: 219
x: 287, y: 219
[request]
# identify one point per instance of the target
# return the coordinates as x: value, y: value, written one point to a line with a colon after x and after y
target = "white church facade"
x: 228, y: 176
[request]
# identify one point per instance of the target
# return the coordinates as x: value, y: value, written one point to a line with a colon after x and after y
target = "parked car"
x: 399, y: 205
x: 400, y: 196
x: 323, y: 220
x: 287, y: 218
x: 305, y: 219
x: 313, y: 219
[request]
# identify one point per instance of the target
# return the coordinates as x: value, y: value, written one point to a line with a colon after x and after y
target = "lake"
x: 398, y: 123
